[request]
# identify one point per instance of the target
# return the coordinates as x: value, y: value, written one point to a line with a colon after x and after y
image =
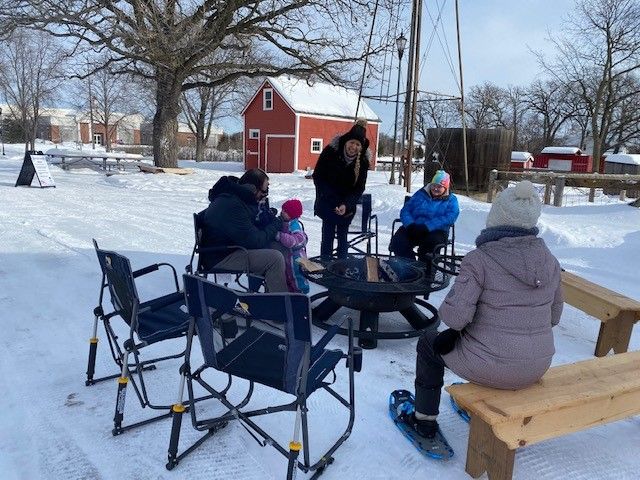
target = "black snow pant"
x: 334, y: 228
x: 429, y: 375
x: 403, y: 243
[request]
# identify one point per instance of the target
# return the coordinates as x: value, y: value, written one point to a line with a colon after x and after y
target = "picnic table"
x: 94, y: 159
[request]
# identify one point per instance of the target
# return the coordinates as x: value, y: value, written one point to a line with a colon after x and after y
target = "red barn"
x: 288, y: 122
x: 564, y: 159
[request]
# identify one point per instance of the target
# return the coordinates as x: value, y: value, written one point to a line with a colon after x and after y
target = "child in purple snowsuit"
x: 293, y: 238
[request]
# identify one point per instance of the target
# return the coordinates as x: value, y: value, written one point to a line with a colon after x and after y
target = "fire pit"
x: 372, y: 285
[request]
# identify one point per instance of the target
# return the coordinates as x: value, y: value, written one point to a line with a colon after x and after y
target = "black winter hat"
x: 358, y: 132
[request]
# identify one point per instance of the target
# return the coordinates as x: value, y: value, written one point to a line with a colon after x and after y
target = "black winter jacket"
x: 335, y: 182
x: 230, y: 219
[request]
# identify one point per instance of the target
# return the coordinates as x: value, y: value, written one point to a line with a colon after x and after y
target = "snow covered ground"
x: 53, y: 427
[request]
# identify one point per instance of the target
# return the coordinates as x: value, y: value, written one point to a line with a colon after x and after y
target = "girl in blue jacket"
x: 426, y: 219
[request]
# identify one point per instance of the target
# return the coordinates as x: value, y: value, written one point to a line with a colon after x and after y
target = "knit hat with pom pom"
x: 518, y: 206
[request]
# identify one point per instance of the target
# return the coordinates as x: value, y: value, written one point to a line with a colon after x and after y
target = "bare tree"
x: 625, y: 120
x: 202, y: 106
x: 600, y: 48
x: 170, y: 41
x: 435, y: 111
x: 550, y: 102
x: 111, y: 102
x: 510, y: 110
x: 482, y: 105
x: 29, y: 66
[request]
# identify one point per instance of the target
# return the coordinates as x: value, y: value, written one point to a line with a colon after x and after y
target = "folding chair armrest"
x: 331, y: 332
x: 393, y: 225
x: 175, y: 274
x: 145, y: 270
x: 156, y: 266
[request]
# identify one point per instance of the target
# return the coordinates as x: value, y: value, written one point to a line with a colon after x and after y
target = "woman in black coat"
x: 340, y: 177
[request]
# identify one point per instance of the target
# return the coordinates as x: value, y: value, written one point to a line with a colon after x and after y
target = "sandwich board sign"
x: 35, y: 164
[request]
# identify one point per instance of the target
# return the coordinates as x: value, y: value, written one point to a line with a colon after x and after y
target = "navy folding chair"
x: 149, y: 322
x: 364, y: 227
x: 253, y: 282
x: 264, y: 338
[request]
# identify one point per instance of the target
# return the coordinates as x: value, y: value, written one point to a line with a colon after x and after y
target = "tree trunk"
x: 200, y: 140
x: 165, y: 121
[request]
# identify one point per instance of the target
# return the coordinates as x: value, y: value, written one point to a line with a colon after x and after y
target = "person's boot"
x: 424, y: 428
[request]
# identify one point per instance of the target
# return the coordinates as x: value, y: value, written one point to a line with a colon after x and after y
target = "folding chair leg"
x: 172, y: 456
x: 121, y: 396
x: 176, y: 411
x: 294, y: 448
x: 93, y: 348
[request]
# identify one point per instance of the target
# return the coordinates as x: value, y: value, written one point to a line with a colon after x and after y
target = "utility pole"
x: 464, y: 124
x: 416, y: 18
x: 407, y: 101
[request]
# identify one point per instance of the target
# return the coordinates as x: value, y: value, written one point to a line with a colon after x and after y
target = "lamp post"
x: 1, y: 132
x: 401, y: 43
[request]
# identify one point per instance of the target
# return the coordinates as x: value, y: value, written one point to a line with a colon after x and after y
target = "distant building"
x: 67, y: 125
x: 288, y: 122
x: 564, y: 159
x: 185, y: 137
x: 521, y: 160
x: 623, y: 163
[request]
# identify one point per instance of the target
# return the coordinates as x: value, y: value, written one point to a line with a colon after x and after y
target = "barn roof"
x: 562, y: 150
x: 521, y: 156
x: 627, y: 158
x: 318, y: 98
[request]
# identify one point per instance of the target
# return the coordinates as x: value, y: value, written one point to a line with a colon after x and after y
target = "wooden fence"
x: 556, y: 182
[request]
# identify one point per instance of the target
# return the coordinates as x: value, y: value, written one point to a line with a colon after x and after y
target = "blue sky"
x: 496, y: 37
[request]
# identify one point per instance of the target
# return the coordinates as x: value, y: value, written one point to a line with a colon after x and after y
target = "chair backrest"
x: 197, y: 231
x: 232, y: 325
x: 117, y: 270
x: 362, y: 217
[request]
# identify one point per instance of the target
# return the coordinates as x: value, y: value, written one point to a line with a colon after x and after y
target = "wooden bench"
x: 567, y: 399
x: 616, y: 312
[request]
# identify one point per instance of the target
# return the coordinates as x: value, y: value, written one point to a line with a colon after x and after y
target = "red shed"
x: 564, y: 159
x: 521, y: 160
x: 288, y: 122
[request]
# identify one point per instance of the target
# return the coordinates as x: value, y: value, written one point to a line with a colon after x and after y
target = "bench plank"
x: 567, y: 399
x: 616, y: 312
x: 595, y: 300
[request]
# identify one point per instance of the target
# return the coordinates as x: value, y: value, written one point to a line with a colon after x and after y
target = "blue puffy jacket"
x: 436, y: 214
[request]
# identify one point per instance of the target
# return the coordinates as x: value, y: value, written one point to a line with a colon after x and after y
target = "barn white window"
x: 316, y: 145
x: 254, y: 133
x: 267, y: 99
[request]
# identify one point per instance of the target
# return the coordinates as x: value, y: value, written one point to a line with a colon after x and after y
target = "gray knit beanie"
x: 517, y: 206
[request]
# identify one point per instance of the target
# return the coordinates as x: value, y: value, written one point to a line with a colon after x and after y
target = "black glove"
x: 445, y: 341
x: 276, y: 222
x: 273, y: 211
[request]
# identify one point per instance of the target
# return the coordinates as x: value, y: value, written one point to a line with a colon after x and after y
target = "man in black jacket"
x: 232, y: 219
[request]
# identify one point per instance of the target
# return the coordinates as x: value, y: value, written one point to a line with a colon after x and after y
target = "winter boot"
x: 424, y: 428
